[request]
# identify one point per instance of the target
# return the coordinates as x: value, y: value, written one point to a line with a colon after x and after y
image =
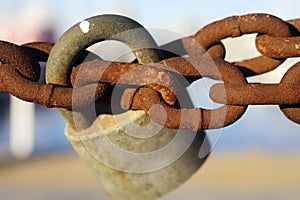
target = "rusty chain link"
x: 158, y: 83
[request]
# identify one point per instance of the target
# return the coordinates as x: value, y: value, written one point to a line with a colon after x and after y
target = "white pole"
x: 21, y: 128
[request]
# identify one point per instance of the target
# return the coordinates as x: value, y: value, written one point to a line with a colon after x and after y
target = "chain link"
x: 158, y: 83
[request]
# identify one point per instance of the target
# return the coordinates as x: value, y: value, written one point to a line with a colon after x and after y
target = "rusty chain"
x: 158, y: 83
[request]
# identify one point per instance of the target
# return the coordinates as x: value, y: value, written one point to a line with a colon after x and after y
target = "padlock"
x: 133, y: 157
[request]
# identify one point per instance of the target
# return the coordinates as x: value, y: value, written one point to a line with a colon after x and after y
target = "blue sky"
x: 168, y: 14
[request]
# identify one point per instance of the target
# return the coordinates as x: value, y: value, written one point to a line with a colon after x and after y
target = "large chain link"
x: 276, y: 40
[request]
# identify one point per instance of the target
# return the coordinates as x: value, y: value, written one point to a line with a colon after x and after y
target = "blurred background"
x: 258, y: 157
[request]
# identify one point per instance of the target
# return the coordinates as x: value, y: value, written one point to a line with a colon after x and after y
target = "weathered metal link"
x: 280, y: 47
x: 233, y: 27
x: 25, y: 63
x: 19, y: 76
x: 196, y: 118
x: 99, y: 71
x: 295, y: 23
x: 292, y: 76
x: 236, y: 26
x: 15, y: 81
x: 11, y: 80
x: 148, y: 99
x: 40, y: 50
x: 258, y: 65
x: 48, y: 95
x: 249, y: 67
x: 286, y: 94
x: 176, y: 48
x: 157, y: 75
x: 256, y: 93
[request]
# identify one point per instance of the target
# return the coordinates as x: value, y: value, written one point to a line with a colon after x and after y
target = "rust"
x: 258, y: 65
x: 99, y: 71
x: 256, y: 94
x: 292, y: 76
x: 176, y: 48
x: 233, y: 27
x: 48, y: 95
x: 295, y: 23
x: 236, y: 26
x: 113, y: 72
x: 41, y: 46
x: 20, y: 70
x: 18, y: 77
x: 148, y: 99
x: 25, y: 63
x: 154, y: 87
x: 40, y: 50
x: 278, y: 47
x: 19, y: 86
x: 194, y: 118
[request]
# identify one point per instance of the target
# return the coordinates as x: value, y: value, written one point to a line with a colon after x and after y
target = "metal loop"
x: 40, y: 50
x: 292, y: 112
x: 287, y: 94
x: 233, y: 27
x: 278, y: 47
x: 256, y: 94
x: 13, y: 76
x: 91, y: 31
x: 196, y: 118
x: 258, y: 65
x: 159, y: 76
x: 25, y: 63
x: 88, y: 32
x: 126, y: 73
x: 236, y: 26
x: 284, y: 46
x: 18, y: 72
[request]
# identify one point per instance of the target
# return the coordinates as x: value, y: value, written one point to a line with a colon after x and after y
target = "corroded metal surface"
x: 292, y: 77
x: 88, y: 32
x: 94, y: 30
x: 277, y: 40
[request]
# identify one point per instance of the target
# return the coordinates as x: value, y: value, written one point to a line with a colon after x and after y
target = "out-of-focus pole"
x: 21, y: 128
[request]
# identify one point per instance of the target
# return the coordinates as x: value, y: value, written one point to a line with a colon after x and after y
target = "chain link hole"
x: 240, y: 48
x: 202, y: 99
x: 112, y: 51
